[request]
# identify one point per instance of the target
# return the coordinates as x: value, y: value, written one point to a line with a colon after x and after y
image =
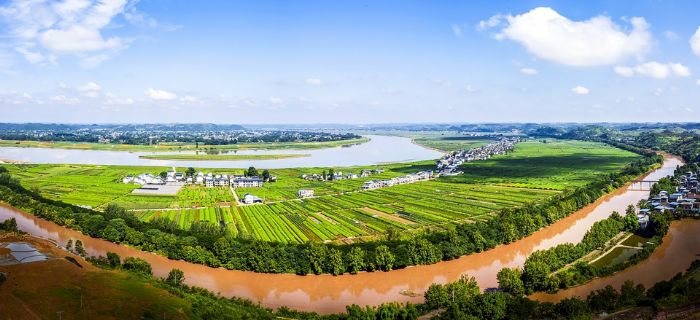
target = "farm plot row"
x: 362, y: 213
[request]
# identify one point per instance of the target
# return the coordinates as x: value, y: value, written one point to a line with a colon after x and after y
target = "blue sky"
x: 349, y: 62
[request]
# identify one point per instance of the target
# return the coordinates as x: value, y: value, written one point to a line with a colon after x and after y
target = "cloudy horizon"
x: 129, y: 61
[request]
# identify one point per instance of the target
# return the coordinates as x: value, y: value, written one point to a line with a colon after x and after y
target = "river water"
x: 380, y: 149
x: 327, y: 293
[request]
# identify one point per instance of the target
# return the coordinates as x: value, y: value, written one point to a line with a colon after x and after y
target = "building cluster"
x: 449, y: 164
x: 685, y: 199
x: 208, y: 180
x: 340, y: 176
x: 410, y: 178
x: 146, y: 178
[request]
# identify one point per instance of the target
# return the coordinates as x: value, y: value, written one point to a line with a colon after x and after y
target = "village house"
x: 251, y: 199
x: 449, y: 164
x: 305, y: 193
x: 246, y: 182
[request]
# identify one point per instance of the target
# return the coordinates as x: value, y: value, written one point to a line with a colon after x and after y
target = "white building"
x: 305, y: 193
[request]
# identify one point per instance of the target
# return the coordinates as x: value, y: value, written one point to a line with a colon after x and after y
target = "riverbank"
x: 178, y: 146
x: 679, y: 248
x: 330, y: 294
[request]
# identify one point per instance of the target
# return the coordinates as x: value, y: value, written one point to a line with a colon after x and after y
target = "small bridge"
x: 641, y: 185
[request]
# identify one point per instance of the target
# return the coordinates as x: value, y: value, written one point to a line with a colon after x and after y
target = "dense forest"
x: 206, y: 243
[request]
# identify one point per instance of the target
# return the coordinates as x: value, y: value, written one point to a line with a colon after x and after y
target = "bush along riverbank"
x: 562, y: 266
x: 206, y: 243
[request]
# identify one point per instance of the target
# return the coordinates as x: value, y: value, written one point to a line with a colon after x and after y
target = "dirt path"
x: 388, y: 216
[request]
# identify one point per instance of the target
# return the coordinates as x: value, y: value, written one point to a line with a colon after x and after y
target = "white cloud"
x: 188, y: 99
x: 469, y: 88
x: 314, y: 81
x: 697, y: 82
x: 275, y: 100
x: 654, y: 69
x: 670, y: 35
x: 492, y: 22
x: 624, y: 71
x: 695, y: 42
x: 62, y: 99
x: 90, y: 89
x: 580, y: 90
x: 43, y: 29
x: 529, y: 71
x: 157, y: 94
x: 596, y: 41
x: 457, y: 30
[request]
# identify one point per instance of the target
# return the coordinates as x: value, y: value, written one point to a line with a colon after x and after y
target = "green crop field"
x: 534, y: 171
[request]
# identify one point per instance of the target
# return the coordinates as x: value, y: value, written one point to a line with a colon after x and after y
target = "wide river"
x: 327, y: 293
x: 379, y: 150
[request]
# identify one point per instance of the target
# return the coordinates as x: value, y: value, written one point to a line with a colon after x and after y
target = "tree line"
x: 461, y: 299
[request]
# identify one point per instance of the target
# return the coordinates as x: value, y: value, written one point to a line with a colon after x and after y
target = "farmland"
x: 534, y: 171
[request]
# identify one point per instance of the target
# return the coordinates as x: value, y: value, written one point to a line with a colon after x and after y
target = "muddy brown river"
x: 327, y: 293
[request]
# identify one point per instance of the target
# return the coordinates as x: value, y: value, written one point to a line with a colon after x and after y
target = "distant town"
x: 449, y: 164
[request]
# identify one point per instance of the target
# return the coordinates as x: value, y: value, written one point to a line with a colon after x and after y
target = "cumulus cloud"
x: 90, y: 89
x: 457, y: 30
x: 275, y: 100
x: 654, y: 69
x: 314, y: 81
x: 695, y: 42
x: 161, y: 95
x: 62, y: 99
x: 550, y: 36
x: 44, y: 29
x: 580, y: 90
x: 529, y: 71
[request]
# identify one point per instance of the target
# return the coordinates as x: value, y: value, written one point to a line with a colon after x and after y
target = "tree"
x: 115, y: 230
x: 163, y: 175
x: 79, y: 248
x: 190, y: 172
x: 331, y: 173
x: 9, y: 225
x: 436, y: 296
x: 630, y: 294
x: 509, y: 280
x: 266, y: 175
x: 355, y: 260
x: 114, y: 260
x: 317, y: 257
x: 631, y: 220
x: 384, y: 258
x: 252, y: 172
x: 335, y: 262
x: 69, y: 245
x: 137, y: 265
x: 175, y: 277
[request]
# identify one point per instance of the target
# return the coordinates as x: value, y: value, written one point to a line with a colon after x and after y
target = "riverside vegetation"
x: 207, y: 243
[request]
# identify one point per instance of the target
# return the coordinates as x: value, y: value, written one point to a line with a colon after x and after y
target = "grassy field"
x: 552, y: 165
x: 532, y: 172
x: 222, y: 157
x: 38, y: 290
x: 179, y: 146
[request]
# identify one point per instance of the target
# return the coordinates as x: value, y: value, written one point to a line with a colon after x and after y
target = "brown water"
x: 680, y: 247
x: 327, y: 293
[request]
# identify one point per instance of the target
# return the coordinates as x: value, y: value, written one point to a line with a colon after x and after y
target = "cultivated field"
x: 534, y: 171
